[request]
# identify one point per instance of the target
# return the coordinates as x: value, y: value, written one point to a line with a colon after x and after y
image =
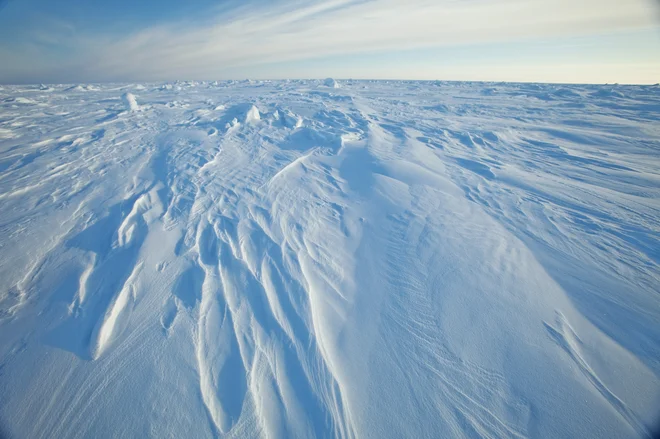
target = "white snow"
x: 130, y: 102
x: 267, y: 259
x: 81, y: 87
x: 252, y: 115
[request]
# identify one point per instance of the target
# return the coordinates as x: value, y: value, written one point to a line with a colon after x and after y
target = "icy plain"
x: 329, y: 259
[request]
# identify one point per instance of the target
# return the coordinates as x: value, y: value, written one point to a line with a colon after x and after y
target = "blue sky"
x: 593, y: 41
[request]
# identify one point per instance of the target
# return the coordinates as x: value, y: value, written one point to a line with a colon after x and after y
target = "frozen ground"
x: 313, y: 259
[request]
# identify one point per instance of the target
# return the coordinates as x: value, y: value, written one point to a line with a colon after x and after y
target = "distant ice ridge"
x: 279, y: 259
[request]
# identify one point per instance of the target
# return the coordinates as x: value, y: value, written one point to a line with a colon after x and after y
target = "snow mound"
x: 565, y: 93
x: 252, y: 115
x: 6, y: 133
x: 82, y: 87
x: 130, y: 102
x: 329, y: 82
x: 26, y: 101
x: 232, y: 123
x: 608, y: 93
x: 283, y: 117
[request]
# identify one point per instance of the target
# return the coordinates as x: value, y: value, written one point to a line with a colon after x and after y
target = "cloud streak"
x: 293, y: 31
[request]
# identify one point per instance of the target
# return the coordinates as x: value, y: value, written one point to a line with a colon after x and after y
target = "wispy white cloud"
x: 289, y: 31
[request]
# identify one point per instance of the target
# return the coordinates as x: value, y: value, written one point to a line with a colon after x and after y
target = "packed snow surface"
x: 268, y: 259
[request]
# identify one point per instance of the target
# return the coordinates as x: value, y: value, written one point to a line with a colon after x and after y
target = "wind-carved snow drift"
x: 271, y: 260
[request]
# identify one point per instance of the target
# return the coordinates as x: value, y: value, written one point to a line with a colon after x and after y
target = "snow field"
x: 392, y: 259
